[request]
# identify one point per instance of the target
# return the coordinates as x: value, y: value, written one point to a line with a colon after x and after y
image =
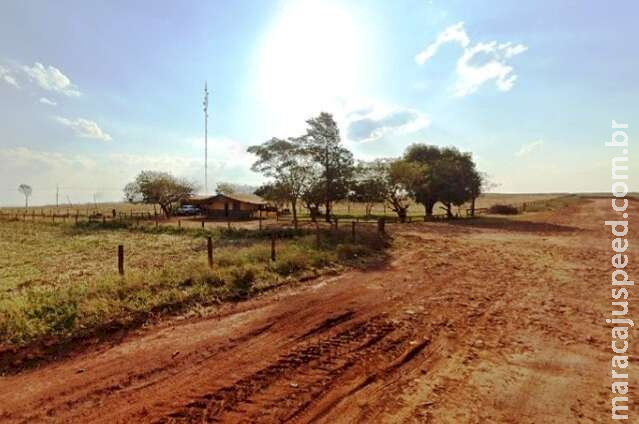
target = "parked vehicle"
x: 187, y: 210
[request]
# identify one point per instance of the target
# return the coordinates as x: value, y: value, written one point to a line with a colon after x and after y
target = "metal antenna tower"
x: 205, y: 103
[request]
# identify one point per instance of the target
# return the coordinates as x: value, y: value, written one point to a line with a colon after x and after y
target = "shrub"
x: 241, y: 282
x: 503, y: 209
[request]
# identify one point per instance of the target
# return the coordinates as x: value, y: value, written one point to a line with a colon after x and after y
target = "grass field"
x: 61, y: 280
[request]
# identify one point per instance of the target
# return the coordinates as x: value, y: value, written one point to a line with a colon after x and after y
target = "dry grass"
x: 61, y: 280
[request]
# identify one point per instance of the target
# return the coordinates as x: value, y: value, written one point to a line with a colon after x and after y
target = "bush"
x: 241, y: 282
x: 503, y: 210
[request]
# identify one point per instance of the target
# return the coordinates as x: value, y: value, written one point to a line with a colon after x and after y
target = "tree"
x: 272, y: 192
x: 232, y: 188
x: 369, y: 185
x: 283, y: 160
x: 313, y: 195
x: 26, y: 192
x: 401, y: 176
x: 159, y: 187
x: 456, y: 179
x: 322, y: 144
x: 424, y: 189
x: 224, y: 188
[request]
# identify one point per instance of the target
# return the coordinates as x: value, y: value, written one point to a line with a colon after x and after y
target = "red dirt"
x: 498, y: 322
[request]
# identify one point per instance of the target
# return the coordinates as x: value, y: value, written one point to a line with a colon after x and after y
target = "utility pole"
x: 206, y: 140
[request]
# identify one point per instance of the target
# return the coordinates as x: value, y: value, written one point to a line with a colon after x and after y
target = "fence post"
x: 209, y: 251
x: 120, y: 259
x: 202, y: 224
x: 52, y: 218
x: 156, y: 222
x: 317, y: 234
x: 336, y: 222
x: 260, y: 220
x: 179, y: 224
x: 353, y: 230
x: 273, y: 247
x: 76, y: 219
x: 380, y: 225
x: 103, y: 219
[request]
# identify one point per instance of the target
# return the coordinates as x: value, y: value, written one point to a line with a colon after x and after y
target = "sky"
x: 93, y: 92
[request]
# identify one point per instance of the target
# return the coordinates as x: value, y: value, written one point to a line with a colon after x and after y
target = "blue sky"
x: 91, y: 92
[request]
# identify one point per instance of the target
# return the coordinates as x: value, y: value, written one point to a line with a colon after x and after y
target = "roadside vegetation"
x: 61, y: 280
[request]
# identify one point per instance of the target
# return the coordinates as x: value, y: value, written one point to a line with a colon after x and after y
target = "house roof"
x: 244, y: 198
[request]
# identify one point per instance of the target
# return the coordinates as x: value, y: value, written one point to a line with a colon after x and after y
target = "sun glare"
x: 311, y: 60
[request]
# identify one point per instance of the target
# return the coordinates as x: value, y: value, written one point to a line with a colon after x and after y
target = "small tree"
x: 402, y: 175
x: 26, y: 192
x: 224, y: 188
x: 283, y: 161
x: 161, y: 188
x: 272, y: 192
x: 369, y: 186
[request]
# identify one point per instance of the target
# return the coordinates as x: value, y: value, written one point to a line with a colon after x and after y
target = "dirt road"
x: 499, y: 322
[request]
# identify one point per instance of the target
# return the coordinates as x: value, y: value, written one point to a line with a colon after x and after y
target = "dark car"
x: 188, y: 210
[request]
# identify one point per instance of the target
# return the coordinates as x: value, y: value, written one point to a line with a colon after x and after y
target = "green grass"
x: 61, y: 280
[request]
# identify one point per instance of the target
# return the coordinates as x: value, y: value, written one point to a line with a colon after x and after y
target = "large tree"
x: 159, y: 187
x: 283, y: 160
x: 322, y: 143
x: 424, y: 189
x: 26, y: 191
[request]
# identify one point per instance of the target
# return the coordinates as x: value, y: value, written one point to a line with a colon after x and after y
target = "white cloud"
x: 378, y: 121
x: 85, y: 128
x: 526, y: 149
x: 471, y: 76
x: 51, y: 78
x: 7, y: 77
x: 47, y: 102
x: 453, y: 34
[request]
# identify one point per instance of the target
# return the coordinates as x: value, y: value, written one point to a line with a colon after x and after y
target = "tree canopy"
x: 159, y: 187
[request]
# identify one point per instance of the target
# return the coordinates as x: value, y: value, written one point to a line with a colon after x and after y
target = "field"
x: 62, y: 280
x: 493, y: 319
x: 340, y: 208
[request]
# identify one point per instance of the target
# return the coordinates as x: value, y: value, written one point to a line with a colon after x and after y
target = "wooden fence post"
x: 156, y: 222
x: 202, y: 224
x: 179, y: 224
x: 76, y: 219
x: 209, y: 250
x: 273, y: 247
x: 103, y: 220
x: 353, y: 230
x: 121, y: 259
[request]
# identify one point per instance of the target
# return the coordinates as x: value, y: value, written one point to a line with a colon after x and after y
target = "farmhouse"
x: 235, y: 206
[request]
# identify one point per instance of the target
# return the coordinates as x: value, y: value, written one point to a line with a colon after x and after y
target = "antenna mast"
x: 206, y: 135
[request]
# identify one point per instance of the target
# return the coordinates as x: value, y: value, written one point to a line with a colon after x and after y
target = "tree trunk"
x: 401, y: 213
x: 449, y: 210
x: 294, y: 207
x: 428, y: 206
x: 327, y: 214
x: 472, y: 207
